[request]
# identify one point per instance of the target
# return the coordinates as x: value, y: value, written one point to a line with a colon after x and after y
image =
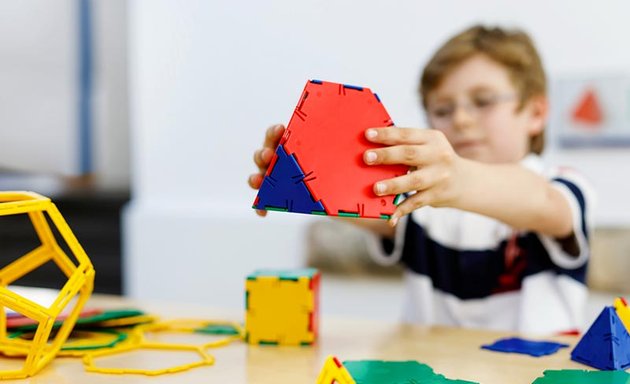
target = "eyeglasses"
x: 441, y: 114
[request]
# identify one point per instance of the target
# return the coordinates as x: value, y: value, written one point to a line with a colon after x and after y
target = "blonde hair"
x: 513, y: 49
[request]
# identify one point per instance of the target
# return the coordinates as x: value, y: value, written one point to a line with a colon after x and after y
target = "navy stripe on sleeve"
x: 473, y: 274
x: 577, y: 192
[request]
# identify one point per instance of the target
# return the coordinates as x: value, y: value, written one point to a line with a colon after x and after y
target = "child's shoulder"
x: 571, y: 178
x: 554, y: 172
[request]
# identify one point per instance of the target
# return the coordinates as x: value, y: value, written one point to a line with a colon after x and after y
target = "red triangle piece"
x: 588, y: 110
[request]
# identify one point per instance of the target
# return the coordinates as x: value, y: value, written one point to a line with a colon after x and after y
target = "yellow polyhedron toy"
x: 282, y: 307
x: 78, y: 270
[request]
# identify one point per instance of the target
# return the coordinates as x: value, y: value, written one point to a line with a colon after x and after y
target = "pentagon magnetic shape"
x: 325, y: 137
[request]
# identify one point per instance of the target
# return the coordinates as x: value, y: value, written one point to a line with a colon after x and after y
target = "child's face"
x: 476, y: 106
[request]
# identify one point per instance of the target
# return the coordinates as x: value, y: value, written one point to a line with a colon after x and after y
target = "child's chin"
x: 484, y: 157
x: 473, y: 153
x: 487, y: 157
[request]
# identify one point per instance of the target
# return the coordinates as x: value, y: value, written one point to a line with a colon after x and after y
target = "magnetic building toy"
x: 282, y: 307
x: 318, y: 166
x: 606, y: 344
x: 78, y: 270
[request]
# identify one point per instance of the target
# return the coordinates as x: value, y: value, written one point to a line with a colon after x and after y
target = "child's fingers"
x: 255, y: 180
x: 412, y: 155
x: 262, y: 158
x: 396, y: 135
x: 418, y: 180
x: 273, y: 135
x: 410, y: 204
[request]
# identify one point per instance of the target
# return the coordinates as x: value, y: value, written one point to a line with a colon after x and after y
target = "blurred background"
x: 139, y: 119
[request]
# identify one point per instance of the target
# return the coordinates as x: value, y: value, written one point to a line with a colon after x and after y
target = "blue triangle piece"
x: 606, y: 344
x: 526, y: 347
x: 284, y: 189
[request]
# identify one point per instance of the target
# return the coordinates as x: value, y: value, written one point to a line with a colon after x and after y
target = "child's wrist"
x: 463, y: 175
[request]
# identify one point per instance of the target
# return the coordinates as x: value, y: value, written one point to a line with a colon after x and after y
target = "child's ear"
x: 538, y: 108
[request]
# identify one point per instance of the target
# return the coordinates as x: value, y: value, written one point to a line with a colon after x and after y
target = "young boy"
x: 489, y: 237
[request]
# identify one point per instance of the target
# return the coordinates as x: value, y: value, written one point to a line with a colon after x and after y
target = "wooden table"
x: 452, y: 352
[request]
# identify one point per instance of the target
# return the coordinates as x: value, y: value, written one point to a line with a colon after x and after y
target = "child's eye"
x: 442, y: 111
x: 484, y: 101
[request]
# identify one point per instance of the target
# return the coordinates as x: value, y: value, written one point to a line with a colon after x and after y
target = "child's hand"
x: 434, y: 175
x: 263, y: 156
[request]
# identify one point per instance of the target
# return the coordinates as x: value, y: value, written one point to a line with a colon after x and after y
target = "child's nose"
x: 463, y: 117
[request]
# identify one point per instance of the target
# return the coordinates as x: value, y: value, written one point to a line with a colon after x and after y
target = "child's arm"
x: 440, y: 178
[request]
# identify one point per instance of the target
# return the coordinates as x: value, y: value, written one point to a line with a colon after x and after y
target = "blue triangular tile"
x: 526, y: 347
x: 284, y: 188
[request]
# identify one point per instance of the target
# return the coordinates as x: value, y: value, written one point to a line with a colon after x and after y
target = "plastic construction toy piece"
x: 380, y: 372
x: 282, y: 307
x: 321, y: 153
x: 137, y: 341
x: 20, y: 322
x: 92, y: 319
x: 122, y: 322
x: 78, y: 270
x: 92, y: 330
x: 90, y: 364
x: 284, y: 189
x: 95, y: 343
x: 526, y: 347
x: 606, y: 344
x: 583, y: 377
x: 334, y: 372
x: 621, y: 307
x: 230, y: 330
x: 219, y: 329
x: 91, y: 340
x: 81, y: 341
x: 113, y: 317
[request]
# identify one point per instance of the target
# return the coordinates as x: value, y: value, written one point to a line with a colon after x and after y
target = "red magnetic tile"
x: 326, y: 137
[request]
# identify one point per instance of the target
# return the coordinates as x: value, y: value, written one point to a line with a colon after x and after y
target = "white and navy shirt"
x: 469, y: 270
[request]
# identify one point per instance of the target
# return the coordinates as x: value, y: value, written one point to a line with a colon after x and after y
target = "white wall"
x: 39, y: 91
x: 39, y: 86
x: 207, y: 77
